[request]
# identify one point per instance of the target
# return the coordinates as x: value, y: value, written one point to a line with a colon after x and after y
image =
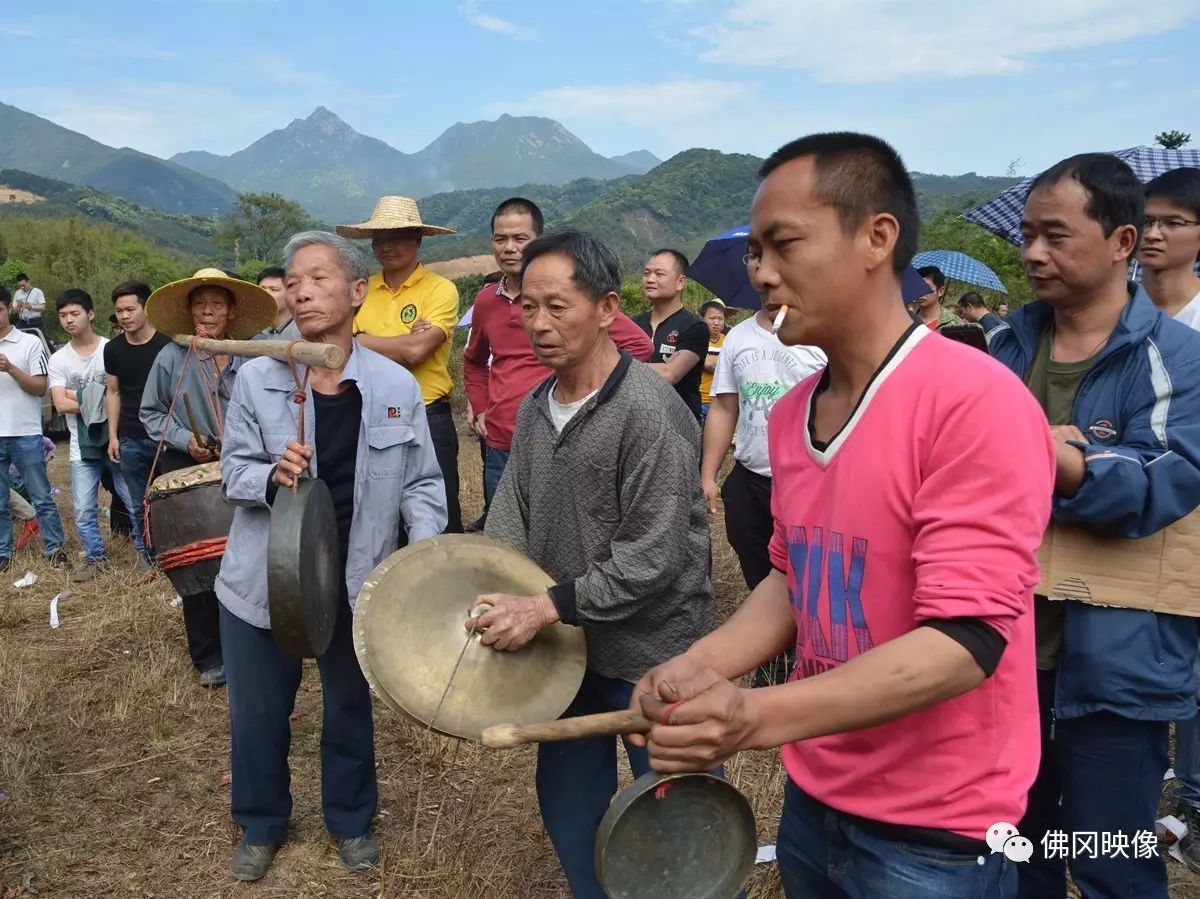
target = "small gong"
x: 304, y: 571
x: 676, y: 836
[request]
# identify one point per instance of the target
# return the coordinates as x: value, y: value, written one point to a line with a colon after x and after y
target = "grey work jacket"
x: 161, y: 385
x: 396, y: 472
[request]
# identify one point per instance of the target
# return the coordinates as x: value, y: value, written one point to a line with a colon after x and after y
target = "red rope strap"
x: 191, y: 553
x: 298, y: 398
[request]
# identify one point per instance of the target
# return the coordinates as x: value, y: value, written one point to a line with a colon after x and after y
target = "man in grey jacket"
x: 371, y: 447
x: 601, y: 490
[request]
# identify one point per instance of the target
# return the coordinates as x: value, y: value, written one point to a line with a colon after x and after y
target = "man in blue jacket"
x: 1120, y: 384
x: 369, y: 442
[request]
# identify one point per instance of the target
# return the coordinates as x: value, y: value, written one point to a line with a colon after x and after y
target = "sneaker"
x: 88, y: 571
x: 30, y: 531
x: 359, y: 853
x: 1189, y: 846
x: 58, y: 559
x: 213, y: 677
x: 251, y: 862
x: 5, y: 563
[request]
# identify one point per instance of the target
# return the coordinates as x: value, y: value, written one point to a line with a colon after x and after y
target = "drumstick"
x: 201, y: 440
x: 606, y: 724
x: 322, y: 355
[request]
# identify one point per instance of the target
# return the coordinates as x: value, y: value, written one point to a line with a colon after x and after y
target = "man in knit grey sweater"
x: 601, y: 491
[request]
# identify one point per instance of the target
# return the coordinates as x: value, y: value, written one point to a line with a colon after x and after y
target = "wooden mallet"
x: 606, y: 724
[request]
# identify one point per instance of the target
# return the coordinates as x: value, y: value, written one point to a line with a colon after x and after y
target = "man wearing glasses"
x: 409, y: 316
x: 1169, y: 250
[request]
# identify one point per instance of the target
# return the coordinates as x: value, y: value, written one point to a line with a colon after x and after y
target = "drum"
x: 189, y: 524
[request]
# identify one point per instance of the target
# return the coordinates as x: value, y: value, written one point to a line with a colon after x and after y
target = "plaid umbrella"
x: 960, y: 267
x: 1002, y: 214
x: 719, y: 268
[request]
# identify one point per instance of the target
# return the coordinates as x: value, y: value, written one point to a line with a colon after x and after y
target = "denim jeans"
x: 576, y: 780
x: 262, y: 684
x: 137, y: 454
x: 1100, y: 774
x: 29, y: 457
x: 823, y: 854
x: 493, y: 470
x: 85, y: 493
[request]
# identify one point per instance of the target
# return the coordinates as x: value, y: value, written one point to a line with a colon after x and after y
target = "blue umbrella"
x: 1002, y: 214
x: 960, y: 267
x: 719, y: 267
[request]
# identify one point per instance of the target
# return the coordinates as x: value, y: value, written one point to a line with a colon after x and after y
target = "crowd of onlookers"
x: 1117, y: 381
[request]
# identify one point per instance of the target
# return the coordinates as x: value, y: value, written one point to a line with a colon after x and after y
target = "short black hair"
x: 5, y: 297
x: 681, y: 261
x: 21, y: 276
x: 1178, y: 186
x: 271, y: 271
x: 972, y: 299
x: 517, y: 205
x: 712, y: 304
x: 934, y: 274
x: 860, y: 175
x: 74, y: 296
x: 1115, y: 196
x: 597, y: 270
x: 139, y: 289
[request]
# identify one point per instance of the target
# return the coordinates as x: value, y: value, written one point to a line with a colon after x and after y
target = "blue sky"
x: 956, y: 85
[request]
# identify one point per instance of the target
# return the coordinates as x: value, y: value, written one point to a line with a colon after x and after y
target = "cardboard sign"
x: 1160, y: 573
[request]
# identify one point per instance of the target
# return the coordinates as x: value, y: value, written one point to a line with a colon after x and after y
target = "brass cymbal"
x: 409, y: 635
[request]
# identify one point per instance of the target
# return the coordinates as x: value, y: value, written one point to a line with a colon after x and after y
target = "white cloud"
x: 864, y: 41
x: 13, y: 31
x: 469, y: 10
x: 663, y: 103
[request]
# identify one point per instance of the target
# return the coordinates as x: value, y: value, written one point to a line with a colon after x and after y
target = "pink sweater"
x: 929, y: 505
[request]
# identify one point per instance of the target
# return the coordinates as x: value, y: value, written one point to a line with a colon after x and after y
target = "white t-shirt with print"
x: 759, y: 369
x: 70, y: 370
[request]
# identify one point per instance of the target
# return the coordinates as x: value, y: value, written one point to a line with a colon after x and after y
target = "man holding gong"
x: 370, y: 444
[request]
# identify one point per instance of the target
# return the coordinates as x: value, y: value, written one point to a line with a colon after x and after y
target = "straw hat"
x: 392, y: 213
x: 168, y: 309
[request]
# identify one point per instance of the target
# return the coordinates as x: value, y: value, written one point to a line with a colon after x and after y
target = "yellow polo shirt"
x: 391, y: 313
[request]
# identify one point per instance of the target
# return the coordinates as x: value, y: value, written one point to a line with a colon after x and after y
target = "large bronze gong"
x: 409, y: 637
x: 304, y: 571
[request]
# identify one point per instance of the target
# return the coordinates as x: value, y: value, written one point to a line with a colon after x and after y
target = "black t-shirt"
x: 130, y: 364
x: 680, y: 330
x: 337, y: 419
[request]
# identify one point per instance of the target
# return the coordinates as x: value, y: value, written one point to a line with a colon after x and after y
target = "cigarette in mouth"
x: 779, y: 319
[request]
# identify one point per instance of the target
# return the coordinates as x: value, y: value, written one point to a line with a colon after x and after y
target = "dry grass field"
x: 114, y: 764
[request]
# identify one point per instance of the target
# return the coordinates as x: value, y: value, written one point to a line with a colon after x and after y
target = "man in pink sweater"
x: 499, y: 366
x: 903, y: 569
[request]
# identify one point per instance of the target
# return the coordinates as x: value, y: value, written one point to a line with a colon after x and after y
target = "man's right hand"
x: 198, y: 452
x: 5, y: 365
x: 711, y: 494
x: 114, y: 452
x: 480, y: 426
x: 292, y: 464
x: 681, y: 669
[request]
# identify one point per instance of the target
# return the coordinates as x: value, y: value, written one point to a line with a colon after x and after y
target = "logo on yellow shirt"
x: 408, y: 314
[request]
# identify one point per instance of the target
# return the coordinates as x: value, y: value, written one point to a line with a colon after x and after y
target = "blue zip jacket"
x: 1139, y: 408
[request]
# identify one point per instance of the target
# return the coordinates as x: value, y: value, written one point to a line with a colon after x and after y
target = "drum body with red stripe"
x: 189, y: 523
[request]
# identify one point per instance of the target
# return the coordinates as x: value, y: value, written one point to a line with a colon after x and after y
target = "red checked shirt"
x: 497, y: 333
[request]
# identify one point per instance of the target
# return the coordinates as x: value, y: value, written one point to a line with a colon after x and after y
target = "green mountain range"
x: 36, y: 145
x: 53, y: 199
x: 337, y: 173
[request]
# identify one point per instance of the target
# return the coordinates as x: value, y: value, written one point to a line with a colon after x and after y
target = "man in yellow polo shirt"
x: 409, y: 316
